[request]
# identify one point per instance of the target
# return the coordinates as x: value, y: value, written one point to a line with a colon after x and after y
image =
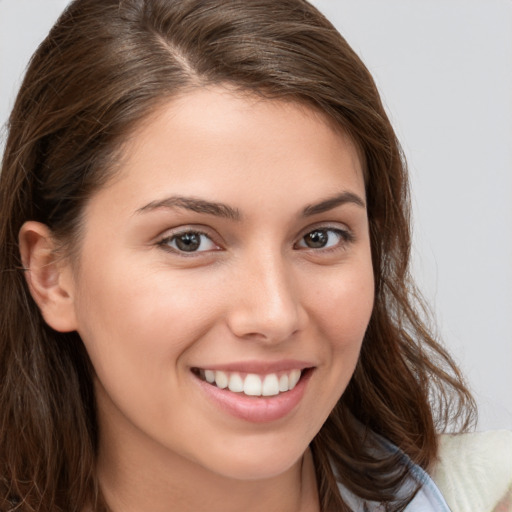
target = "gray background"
x: 444, y: 68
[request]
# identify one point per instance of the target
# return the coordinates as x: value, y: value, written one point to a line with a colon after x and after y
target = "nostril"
x: 264, y: 325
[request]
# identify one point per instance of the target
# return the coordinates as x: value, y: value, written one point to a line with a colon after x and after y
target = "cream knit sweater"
x: 474, y: 471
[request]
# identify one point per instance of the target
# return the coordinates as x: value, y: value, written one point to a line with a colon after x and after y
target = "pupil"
x: 188, y: 242
x: 316, y: 239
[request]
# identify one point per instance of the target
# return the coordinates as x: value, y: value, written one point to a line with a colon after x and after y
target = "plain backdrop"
x: 444, y: 69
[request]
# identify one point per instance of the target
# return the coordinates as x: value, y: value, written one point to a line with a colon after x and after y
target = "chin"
x: 256, y: 464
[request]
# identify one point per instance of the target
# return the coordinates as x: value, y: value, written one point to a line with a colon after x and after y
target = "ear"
x: 48, y: 275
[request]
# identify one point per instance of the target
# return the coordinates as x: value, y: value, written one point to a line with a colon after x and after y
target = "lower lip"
x: 257, y: 409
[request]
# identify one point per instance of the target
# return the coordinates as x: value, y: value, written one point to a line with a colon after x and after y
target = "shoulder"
x: 474, y: 471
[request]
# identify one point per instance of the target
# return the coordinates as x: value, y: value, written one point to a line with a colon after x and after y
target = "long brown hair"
x: 105, y: 66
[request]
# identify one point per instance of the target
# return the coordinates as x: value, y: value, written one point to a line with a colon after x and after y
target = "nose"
x: 266, y: 305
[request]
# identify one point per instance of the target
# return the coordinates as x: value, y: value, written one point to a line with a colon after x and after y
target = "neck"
x: 148, y: 477
x: 129, y: 487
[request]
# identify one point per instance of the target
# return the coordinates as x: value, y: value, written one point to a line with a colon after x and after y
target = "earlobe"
x: 48, y: 276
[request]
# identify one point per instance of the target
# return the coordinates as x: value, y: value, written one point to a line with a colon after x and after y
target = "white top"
x: 473, y: 474
x: 474, y: 471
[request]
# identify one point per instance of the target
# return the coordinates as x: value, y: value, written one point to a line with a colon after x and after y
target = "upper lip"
x: 259, y: 367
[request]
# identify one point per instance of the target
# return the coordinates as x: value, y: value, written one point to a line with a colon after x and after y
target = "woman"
x: 205, y: 292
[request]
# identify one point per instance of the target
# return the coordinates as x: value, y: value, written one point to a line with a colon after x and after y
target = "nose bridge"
x: 267, y: 305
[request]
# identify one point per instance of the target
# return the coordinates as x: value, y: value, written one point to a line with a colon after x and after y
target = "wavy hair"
x: 106, y: 66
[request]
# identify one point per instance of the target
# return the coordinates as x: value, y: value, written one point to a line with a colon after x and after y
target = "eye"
x: 324, y: 238
x: 189, y: 241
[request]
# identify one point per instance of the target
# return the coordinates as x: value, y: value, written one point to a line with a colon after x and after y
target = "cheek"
x: 130, y: 317
x: 340, y: 311
x: 343, y: 307
x: 137, y: 328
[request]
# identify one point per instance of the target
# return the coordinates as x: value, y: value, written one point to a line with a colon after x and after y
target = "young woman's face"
x: 234, y: 246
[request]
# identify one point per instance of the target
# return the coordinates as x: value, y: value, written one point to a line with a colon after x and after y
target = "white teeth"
x: 253, y: 384
x: 293, y: 378
x: 270, y: 385
x: 236, y: 384
x: 283, y: 383
x: 221, y: 379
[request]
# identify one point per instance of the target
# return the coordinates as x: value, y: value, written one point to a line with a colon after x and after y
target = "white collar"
x: 427, y: 499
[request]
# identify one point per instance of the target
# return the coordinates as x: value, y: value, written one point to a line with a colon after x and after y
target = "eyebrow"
x: 333, y: 202
x: 195, y: 205
x: 223, y: 210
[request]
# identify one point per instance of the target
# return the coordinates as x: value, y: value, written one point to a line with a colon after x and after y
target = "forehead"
x: 217, y: 142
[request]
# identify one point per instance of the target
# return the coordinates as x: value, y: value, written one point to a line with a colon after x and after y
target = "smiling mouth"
x: 252, y: 384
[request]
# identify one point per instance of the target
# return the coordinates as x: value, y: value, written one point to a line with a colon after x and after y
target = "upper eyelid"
x: 200, y: 230
x: 334, y: 226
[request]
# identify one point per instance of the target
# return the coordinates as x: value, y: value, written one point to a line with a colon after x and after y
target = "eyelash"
x: 345, y: 238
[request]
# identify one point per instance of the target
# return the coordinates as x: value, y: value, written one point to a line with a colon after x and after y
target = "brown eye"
x: 324, y: 238
x: 316, y: 239
x: 189, y: 241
